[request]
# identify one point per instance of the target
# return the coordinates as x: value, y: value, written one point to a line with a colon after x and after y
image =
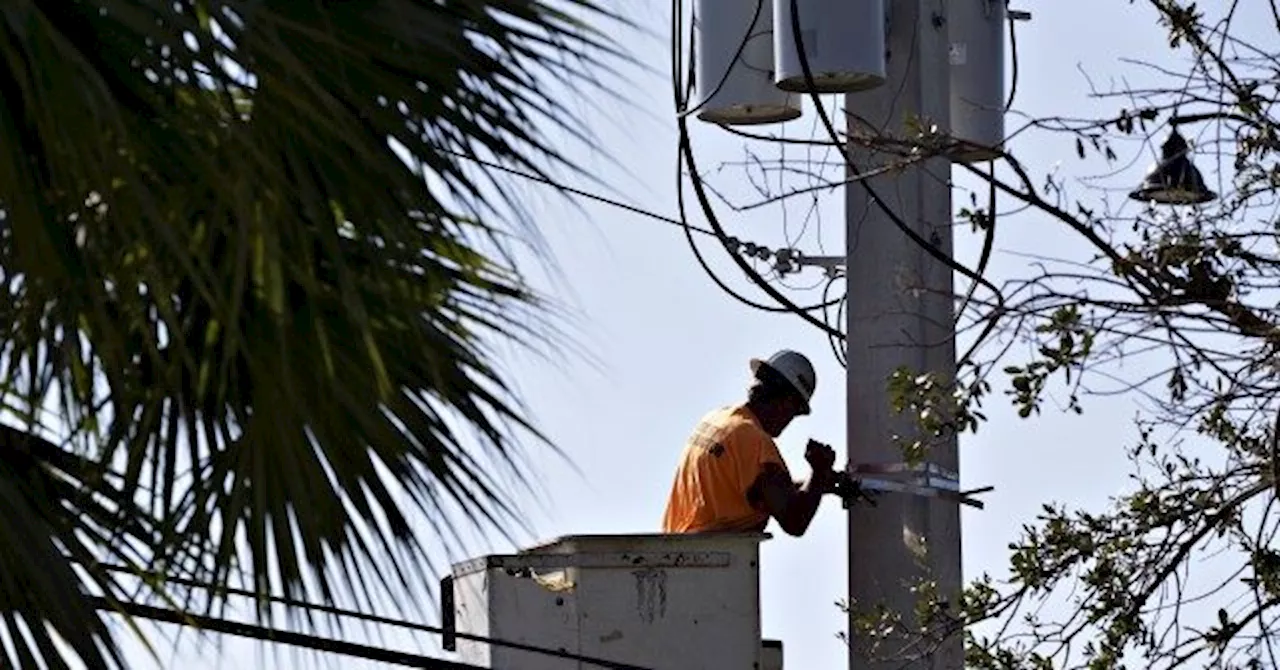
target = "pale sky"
x: 671, y: 345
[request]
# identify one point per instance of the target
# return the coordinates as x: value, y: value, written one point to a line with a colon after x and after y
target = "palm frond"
x: 251, y: 307
x: 64, y: 516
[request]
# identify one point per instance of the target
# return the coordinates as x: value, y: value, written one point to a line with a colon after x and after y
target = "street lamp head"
x: 1174, y: 180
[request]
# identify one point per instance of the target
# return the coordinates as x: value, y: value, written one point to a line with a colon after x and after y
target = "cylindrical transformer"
x: 978, y: 97
x: 733, y: 57
x: 842, y: 40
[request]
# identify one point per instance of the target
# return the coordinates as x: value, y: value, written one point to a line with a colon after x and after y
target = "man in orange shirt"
x: 731, y: 477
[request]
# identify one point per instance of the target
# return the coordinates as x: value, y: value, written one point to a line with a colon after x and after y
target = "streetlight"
x: 1174, y: 180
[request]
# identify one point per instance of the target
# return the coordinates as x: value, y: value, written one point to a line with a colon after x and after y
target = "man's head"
x: 780, y: 389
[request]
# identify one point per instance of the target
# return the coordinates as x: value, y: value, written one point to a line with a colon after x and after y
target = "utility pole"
x: 900, y: 313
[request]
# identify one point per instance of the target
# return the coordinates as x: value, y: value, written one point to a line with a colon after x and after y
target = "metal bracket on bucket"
x: 925, y: 480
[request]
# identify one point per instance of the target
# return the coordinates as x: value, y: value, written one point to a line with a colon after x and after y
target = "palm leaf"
x: 250, y: 306
x: 64, y: 517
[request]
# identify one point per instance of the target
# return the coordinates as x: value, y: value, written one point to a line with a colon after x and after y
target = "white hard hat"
x: 793, y: 367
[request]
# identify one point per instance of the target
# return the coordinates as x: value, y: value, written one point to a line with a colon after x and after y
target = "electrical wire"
x: 681, y: 120
x: 682, y: 112
x: 988, y: 241
x: 685, y: 156
x: 742, y: 46
x: 988, y: 245
x: 836, y: 346
x: 677, y: 49
x: 292, y: 638
x: 706, y: 267
x: 1013, y: 59
x: 584, y: 194
x: 682, y: 223
x: 336, y: 611
x: 787, y: 305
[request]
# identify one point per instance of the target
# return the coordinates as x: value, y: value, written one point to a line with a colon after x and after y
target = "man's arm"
x: 792, y: 504
x: 831, y: 484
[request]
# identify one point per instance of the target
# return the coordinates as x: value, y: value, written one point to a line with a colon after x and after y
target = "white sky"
x: 671, y: 346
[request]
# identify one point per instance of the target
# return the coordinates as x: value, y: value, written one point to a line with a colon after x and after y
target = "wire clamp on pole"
x: 925, y: 480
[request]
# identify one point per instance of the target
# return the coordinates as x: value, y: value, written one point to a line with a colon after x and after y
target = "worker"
x: 731, y: 477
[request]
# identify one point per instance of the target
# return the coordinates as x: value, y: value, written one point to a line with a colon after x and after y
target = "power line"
x: 685, y: 155
x: 581, y: 193
x: 279, y: 636
x: 372, y: 618
x: 730, y: 242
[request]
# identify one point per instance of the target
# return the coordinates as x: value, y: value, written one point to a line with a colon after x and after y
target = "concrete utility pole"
x: 894, y: 322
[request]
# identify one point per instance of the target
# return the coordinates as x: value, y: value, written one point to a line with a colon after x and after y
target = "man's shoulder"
x: 734, y: 421
x: 726, y: 415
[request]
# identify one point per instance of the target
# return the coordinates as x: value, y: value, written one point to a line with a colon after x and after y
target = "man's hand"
x: 821, y: 457
x: 792, y: 504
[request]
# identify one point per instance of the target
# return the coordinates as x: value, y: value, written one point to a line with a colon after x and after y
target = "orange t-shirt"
x: 721, y: 460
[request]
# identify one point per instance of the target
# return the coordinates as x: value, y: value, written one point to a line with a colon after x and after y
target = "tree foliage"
x: 1184, y: 297
x: 1173, y: 306
x: 252, y: 279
